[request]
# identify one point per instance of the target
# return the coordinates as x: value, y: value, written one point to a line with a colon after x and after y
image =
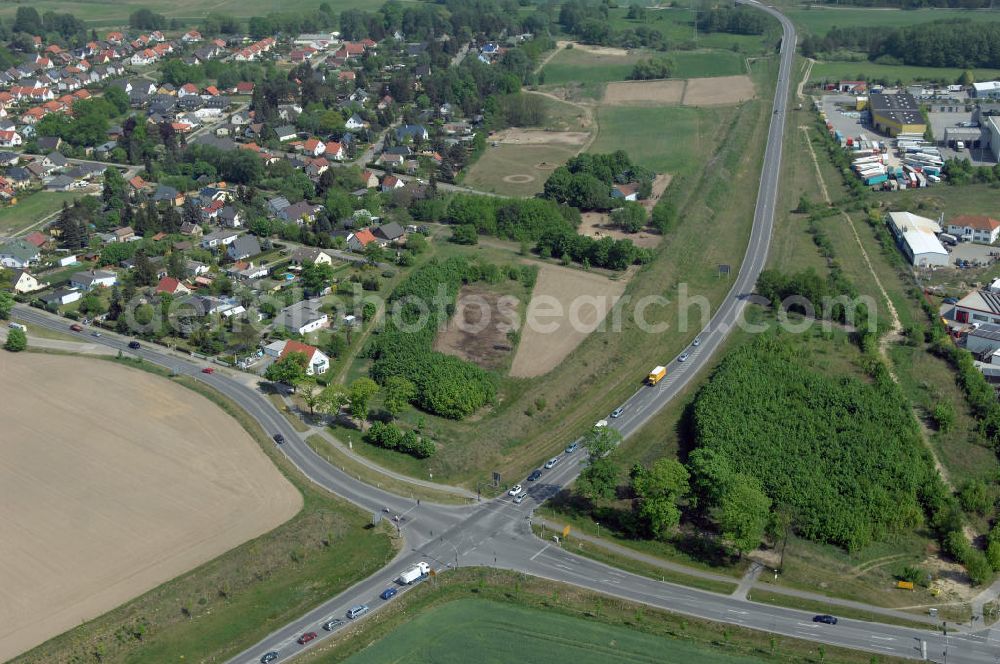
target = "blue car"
x: 388, y: 593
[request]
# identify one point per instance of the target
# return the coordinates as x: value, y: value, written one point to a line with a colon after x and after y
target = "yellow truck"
x: 656, y: 375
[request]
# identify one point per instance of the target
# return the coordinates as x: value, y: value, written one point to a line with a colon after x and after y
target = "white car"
x: 515, y: 490
x: 601, y: 423
x: 518, y: 499
x: 683, y: 356
x: 551, y: 463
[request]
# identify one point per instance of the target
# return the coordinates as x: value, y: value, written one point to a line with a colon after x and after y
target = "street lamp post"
x: 598, y: 528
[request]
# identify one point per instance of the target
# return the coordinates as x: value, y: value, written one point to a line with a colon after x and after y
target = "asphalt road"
x: 497, y: 533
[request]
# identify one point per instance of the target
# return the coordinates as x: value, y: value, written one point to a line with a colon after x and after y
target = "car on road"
x: 617, y: 412
x: 696, y: 342
x: 516, y: 489
x: 519, y: 498
x: 331, y: 625
x: 208, y: 370
x: 551, y: 463
x: 76, y: 327
x: 824, y: 618
x: 134, y: 345
x: 535, y: 474
x: 306, y: 638
x: 572, y: 447
x: 388, y: 593
x: 357, y: 611
x: 278, y: 438
x: 95, y: 333
x: 682, y: 357
x: 600, y: 423
x: 269, y: 657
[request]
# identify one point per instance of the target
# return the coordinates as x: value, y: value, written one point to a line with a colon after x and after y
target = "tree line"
x: 947, y: 43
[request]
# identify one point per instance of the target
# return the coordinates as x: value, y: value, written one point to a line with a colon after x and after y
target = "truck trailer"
x: 415, y: 574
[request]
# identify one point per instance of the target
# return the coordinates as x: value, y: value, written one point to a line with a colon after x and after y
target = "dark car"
x: 829, y: 620
x: 134, y: 345
x: 388, y: 593
x: 306, y: 638
x: 278, y: 438
x: 535, y: 474
x: 76, y: 327
x: 269, y: 657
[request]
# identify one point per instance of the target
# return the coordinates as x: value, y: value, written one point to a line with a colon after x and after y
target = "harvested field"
x: 540, y: 137
x: 619, y: 93
x: 115, y: 481
x: 718, y: 90
x: 566, y: 306
x: 478, y: 330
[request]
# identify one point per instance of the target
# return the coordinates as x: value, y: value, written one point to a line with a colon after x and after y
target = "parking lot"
x: 848, y: 125
x: 975, y: 253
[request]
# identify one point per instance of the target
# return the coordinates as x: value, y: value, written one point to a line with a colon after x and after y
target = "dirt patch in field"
x: 622, y: 93
x: 540, y: 137
x: 478, y: 330
x: 115, y: 481
x: 718, y: 90
x: 660, y: 184
x: 598, y: 224
x: 599, y: 50
x: 566, y: 306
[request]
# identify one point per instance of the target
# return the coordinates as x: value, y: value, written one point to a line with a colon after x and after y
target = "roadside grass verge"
x: 528, y: 593
x: 292, y: 418
x: 618, y: 561
x: 777, y: 599
x: 234, y: 600
x: 350, y: 465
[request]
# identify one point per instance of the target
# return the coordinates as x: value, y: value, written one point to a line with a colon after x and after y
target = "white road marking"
x: 742, y: 613
x: 884, y: 638
x: 539, y: 552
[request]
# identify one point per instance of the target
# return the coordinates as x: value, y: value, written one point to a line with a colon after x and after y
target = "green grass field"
x: 101, y: 13
x: 820, y: 20
x: 31, y: 208
x: 698, y: 64
x: 677, y: 25
x: 836, y: 70
x: 485, y: 631
x: 517, y: 162
x: 671, y: 139
x: 577, y: 65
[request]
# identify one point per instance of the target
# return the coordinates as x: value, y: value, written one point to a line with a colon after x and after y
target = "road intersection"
x: 497, y: 533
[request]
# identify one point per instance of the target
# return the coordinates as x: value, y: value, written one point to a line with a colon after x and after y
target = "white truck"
x: 418, y: 572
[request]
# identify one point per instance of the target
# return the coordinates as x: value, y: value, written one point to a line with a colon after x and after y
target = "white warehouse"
x: 916, y: 237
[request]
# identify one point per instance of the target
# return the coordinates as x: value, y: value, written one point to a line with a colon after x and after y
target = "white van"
x: 959, y: 145
x: 17, y: 326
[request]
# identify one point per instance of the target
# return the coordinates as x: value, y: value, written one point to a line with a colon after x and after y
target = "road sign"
x: 566, y: 532
x: 496, y: 479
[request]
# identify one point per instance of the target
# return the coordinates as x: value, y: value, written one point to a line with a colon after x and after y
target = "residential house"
x: 369, y: 179
x: 314, y: 147
x: 195, y: 269
x: 167, y: 194
x: 125, y: 234
x: 171, y: 286
x: 24, y: 282
x: 306, y: 255
x: 334, y: 151
x: 230, y: 217
x: 62, y: 296
x: 357, y: 241
x: 316, y: 361
x: 302, y: 317
x: 10, y: 139
x: 245, y: 246
x: 187, y: 228
x: 36, y: 238
x: 221, y: 238
x: 975, y: 228
x: 54, y: 160
x: 277, y: 204
x: 18, y: 254
x: 61, y: 183
x: 355, y: 122
x: 626, y: 192
x: 87, y: 281
x: 300, y: 212
x: 411, y: 132
x: 388, y: 233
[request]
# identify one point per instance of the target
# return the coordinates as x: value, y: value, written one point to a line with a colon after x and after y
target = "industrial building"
x: 992, y: 126
x: 917, y: 239
x: 895, y: 114
x: 984, y: 340
x: 985, y: 90
x: 979, y: 306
